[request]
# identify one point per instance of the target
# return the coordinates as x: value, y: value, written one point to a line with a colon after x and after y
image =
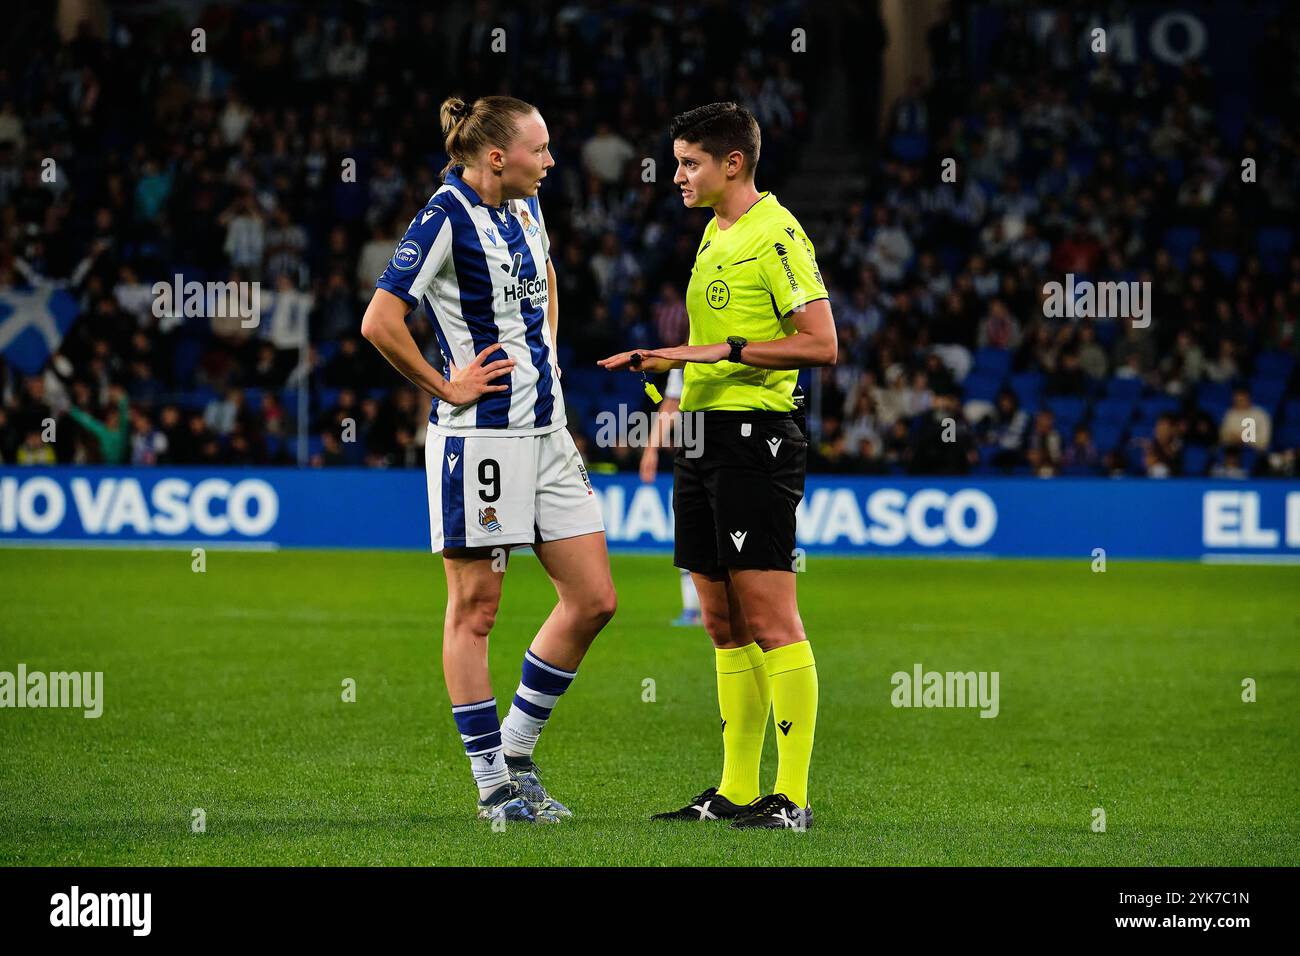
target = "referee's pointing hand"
x: 650, y: 361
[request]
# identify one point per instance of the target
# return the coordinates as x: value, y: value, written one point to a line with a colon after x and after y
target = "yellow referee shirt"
x: 746, y: 281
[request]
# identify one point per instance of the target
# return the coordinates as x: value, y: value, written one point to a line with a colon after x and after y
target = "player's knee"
x: 474, y: 616
x: 717, y: 626
x: 599, y: 607
x: 774, y: 630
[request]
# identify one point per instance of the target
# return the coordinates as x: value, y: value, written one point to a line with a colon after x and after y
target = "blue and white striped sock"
x: 480, y: 729
x: 539, y: 689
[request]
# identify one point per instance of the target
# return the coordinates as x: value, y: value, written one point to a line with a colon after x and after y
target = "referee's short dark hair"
x: 719, y: 129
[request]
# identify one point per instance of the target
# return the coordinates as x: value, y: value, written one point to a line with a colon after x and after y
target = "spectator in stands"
x: 1163, y: 451
x: 1245, y: 423
x: 112, y: 434
x: 33, y: 451
x: 1081, y: 456
x: 945, y: 444
x: 223, y: 413
x: 1043, y: 445
x: 605, y: 154
x: 1005, y: 429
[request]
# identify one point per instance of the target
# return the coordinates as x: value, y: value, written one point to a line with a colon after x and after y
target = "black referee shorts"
x: 734, y: 505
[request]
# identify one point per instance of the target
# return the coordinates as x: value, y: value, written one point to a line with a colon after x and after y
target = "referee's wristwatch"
x: 737, y: 343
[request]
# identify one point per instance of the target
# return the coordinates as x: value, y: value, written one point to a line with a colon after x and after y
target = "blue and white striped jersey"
x: 481, y: 273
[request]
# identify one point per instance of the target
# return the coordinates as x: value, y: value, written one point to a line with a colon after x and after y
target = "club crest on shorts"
x: 487, y: 519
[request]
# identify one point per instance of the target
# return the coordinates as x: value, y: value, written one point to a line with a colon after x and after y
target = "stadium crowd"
x: 233, y: 165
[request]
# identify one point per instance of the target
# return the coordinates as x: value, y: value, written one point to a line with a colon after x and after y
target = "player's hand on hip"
x: 476, y: 380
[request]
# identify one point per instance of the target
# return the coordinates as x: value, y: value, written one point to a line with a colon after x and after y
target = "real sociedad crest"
x: 487, y: 519
x: 530, y: 227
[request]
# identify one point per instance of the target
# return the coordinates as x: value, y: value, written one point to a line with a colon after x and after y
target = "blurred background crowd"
x: 231, y: 164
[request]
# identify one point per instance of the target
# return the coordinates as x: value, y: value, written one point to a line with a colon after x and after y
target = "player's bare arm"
x: 384, y: 326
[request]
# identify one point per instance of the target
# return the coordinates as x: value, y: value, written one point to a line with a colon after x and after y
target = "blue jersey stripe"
x: 533, y: 318
x: 453, y: 493
x: 493, y: 409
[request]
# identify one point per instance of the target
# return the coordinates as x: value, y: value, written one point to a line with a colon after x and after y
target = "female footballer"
x: 502, y: 469
x: 758, y: 312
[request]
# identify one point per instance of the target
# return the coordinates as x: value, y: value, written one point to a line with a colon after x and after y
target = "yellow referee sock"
x: 744, y: 699
x: 793, y: 674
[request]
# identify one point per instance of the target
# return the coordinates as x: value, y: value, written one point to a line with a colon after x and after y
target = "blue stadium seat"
x: 1215, y: 409
x: 1179, y: 241
x: 1274, y: 244
x: 1127, y: 388
x: 327, y: 398
x: 200, y: 398
x: 326, y: 351
x: 1107, y: 436
x: 1135, y: 458
x: 1113, y: 411
x: 253, y: 400
x: 1214, y: 392
x: 1028, y: 387
x: 1107, y: 333
x: 1288, y: 436
x: 1067, y: 409
x: 910, y: 147
x: 991, y: 360
x: 1196, y: 460
x: 189, y: 349
x: 1142, y: 428
x: 1226, y: 262
x: 981, y: 386
x: 1291, y: 411
x: 1157, y: 405
x: 1274, y: 365
x: 1267, y: 392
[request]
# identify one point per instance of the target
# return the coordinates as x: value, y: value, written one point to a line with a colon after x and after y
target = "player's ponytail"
x: 471, y: 127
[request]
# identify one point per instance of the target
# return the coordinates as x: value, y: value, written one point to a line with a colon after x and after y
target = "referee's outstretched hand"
x: 647, y: 362
x: 468, y: 386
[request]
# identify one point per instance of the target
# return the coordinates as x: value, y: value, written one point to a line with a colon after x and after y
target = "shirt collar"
x: 453, y: 179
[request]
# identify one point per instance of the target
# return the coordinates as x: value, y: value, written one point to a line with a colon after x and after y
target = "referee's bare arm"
x: 814, y: 342
x: 384, y: 326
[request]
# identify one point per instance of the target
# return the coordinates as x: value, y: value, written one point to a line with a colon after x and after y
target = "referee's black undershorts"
x: 734, y: 505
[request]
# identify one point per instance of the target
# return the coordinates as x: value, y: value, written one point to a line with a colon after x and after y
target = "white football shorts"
x: 494, y: 490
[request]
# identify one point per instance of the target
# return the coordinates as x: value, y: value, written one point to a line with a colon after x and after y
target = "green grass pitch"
x: 222, y: 692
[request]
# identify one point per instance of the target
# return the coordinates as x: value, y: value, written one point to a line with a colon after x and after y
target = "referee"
x: 758, y: 312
